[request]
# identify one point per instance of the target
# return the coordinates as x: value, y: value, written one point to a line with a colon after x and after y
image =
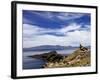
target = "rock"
x: 80, y: 57
x: 83, y: 48
x: 52, y: 56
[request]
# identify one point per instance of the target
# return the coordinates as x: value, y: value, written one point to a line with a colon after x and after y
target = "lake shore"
x: 37, y: 63
x: 80, y: 57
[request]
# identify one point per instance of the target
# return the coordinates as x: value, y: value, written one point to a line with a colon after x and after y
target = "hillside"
x: 80, y: 57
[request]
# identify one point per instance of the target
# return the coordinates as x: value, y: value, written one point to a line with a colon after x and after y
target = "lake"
x: 33, y: 63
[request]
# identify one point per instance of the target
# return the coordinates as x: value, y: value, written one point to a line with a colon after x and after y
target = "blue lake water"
x: 33, y: 63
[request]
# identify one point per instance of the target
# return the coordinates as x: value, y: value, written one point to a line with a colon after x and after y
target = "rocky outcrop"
x: 80, y: 57
x: 52, y: 56
x: 83, y: 48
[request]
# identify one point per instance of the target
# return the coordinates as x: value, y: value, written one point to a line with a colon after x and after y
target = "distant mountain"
x: 48, y: 47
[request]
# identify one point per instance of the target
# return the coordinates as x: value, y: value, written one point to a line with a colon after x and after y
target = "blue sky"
x: 55, y: 28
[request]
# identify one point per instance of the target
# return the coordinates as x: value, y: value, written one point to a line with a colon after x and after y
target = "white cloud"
x: 68, y: 16
x: 83, y: 37
x: 73, y: 26
x: 35, y: 30
x: 48, y: 15
x: 60, y: 15
x: 32, y: 37
x: 30, y: 29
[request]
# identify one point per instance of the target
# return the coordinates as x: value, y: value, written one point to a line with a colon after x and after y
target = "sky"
x: 56, y: 28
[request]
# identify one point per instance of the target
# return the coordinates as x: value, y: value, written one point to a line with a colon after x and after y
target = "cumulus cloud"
x: 32, y: 36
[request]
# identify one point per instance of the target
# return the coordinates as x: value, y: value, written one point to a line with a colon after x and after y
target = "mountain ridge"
x: 48, y: 47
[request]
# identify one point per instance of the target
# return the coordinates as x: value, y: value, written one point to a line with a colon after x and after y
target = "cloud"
x: 35, y: 36
x: 83, y: 37
x: 36, y: 30
x: 69, y: 16
x: 45, y: 14
x: 55, y: 28
x: 55, y: 20
x: 59, y: 15
x: 72, y: 26
x: 70, y: 40
x: 30, y: 29
x: 26, y: 21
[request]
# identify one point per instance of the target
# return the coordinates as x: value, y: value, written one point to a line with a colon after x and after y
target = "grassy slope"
x: 77, y: 58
